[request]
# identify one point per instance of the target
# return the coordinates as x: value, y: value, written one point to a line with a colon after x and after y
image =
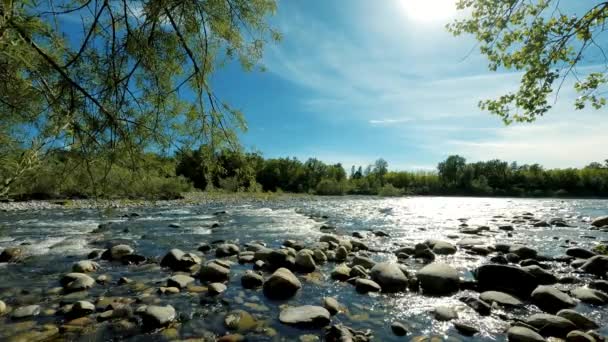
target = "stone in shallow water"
x: 214, y: 272
x: 523, y: 334
x: 600, y: 221
x: 180, y: 281
x: 217, y: 289
x: 341, y: 272
x: 177, y: 260
x: 305, y: 316
x: 506, y: 278
x: 578, y: 319
x: 591, y: 296
x: 77, y: 282
x: 501, y: 298
x: 282, y: 284
x: 366, y: 285
x: 332, y: 305
x: 580, y: 253
x: 305, y: 261
x: 579, y: 336
x: 465, y: 328
x: 389, y: 276
x: 445, y: 313
x: 240, y: 321
x: 11, y: 254
x: 85, y: 266
x: 155, y: 316
x: 26, y: 312
x: 443, y: 248
x: 550, y: 325
x: 399, y: 329
x: 482, y: 308
x: 251, y: 280
x: 550, y: 299
x: 543, y: 277
x: 226, y: 249
x: 438, y: 279
x: 597, y: 265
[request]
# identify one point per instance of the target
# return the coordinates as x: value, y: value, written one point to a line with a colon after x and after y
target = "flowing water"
x: 55, y: 239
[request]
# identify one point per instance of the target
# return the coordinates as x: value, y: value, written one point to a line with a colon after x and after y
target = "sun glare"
x: 428, y: 11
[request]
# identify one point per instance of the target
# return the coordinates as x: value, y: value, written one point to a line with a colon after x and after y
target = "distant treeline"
x: 66, y: 175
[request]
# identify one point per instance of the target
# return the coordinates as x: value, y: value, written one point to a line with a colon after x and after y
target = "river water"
x: 54, y: 239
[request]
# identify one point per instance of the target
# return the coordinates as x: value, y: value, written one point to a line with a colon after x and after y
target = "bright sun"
x: 429, y: 10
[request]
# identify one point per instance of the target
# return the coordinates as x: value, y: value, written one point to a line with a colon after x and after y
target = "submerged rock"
x: 180, y: 281
x: 282, y: 284
x: 76, y: 282
x: 438, y: 279
x: 366, y: 285
x: 177, y: 260
x: 309, y: 316
x: 85, y: 266
x: 252, y: 280
x: 11, y: 254
x: 399, y: 329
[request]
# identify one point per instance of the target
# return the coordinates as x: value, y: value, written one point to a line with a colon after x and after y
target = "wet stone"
x: 25, y: 312
x: 305, y: 316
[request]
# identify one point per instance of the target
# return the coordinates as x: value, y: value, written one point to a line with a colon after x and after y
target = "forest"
x: 68, y: 175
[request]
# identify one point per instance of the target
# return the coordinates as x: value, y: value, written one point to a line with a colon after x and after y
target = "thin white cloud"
x: 383, y: 122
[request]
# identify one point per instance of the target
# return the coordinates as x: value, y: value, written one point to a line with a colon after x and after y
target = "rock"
x: 465, y: 328
x: 329, y: 238
x: 381, y: 233
x: 579, y: 336
x: 363, y: 261
x: 543, y: 224
x: 204, y: 247
x: 422, y: 251
x: 215, y: 289
x: 399, y: 329
x: 443, y: 248
x: 180, y: 281
x: 319, y: 256
x: 438, y: 279
x: 342, y: 333
x: 597, y: 265
x: 226, y: 250
x: 523, y: 252
x: 600, y: 221
x: 76, y: 282
x: 2, y: 308
x: 523, y: 334
x: 366, y: 285
x: 341, y: 254
x: 85, y: 266
x: 579, y: 320
x: 358, y: 272
x: 580, y: 253
x: 154, y: 316
x: 359, y: 245
x: 482, y: 308
x: 282, y: 284
x: 308, y: 316
x: 252, y: 280
x: 507, y: 228
x: 506, y: 278
x: 590, y: 296
x: 550, y: 325
x: 11, y: 254
x: 332, y: 305
x: 550, y: 299
x: 445, y: 313
x: 119, y: 251
x: 214, y: 272
x: 341, y: 273
x: 389, y: 276
x: 25, y: 312
x: 543, y: 277
x: 305, y: 261
x: 82, y: 308
x: 177, y: 260
x: 501, y: 298
x: 601, y: 285
x: 240, y: 320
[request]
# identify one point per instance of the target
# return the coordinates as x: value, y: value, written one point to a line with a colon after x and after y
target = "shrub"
x: 390, y: 190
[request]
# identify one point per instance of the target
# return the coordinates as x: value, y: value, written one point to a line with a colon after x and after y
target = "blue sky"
x: 355, y: 80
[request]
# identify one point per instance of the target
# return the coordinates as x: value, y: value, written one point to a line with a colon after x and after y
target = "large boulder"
x: 177, y: 260
x: 506, y: 278
x: 550, y: 299
x: 551, y: 325
x: 523, y: 334
x: 72, y: 282
x: 389, y: 276
x: 597, y: 265
x: 438, y: 279
x: 214, y: 272
x: 154, y: 316
x: 600, y: 221
x: 308, y: 316
x: 282, y: 284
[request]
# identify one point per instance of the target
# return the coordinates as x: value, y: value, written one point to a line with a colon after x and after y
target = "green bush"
x: 330, y: 187
x: 390, y: 190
